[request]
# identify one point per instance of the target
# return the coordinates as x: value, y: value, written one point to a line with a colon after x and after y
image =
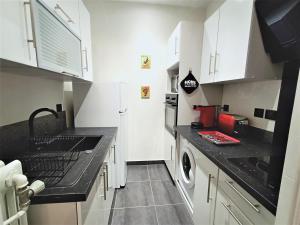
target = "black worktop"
x: 81, y: 189
x: 249, y: 147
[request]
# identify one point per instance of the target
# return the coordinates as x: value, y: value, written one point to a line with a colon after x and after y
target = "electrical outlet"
x: 271, y: 114
x: 259, y: 112
x: 226, y: 108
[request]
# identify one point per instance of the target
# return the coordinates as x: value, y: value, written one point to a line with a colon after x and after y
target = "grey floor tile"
x: 137, y: 173
x: 158, y: 172
x: 134, y: 216
x: 173, y: 215
x: 134, y: 194
x: 165, y: 192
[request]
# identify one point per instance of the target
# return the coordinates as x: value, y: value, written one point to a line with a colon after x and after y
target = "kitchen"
x: 126, y: 158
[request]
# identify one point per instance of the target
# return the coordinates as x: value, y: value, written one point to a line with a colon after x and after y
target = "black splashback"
x: 14, y: 138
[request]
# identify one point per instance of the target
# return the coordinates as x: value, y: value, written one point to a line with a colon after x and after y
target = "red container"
x: 207, y: 115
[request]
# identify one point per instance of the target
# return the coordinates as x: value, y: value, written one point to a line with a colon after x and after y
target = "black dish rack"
x: 50, y: 158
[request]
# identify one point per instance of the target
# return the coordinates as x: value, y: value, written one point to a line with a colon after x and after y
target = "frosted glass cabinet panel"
x: 58, y: 49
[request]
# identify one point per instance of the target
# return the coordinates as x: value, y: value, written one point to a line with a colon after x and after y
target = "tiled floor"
x: 149, y: 198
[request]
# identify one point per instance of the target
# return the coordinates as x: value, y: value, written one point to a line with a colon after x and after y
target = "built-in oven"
x: 171, y: 112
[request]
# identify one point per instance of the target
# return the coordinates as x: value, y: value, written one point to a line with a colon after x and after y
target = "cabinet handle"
x: 176, y: 40
x: 232, y: 213
x: 58, y: 7
x: 253, y: 206
x: 114, y: 147
x: 104, y: 184
x: 84, y: 51
x: 106, y: 172
x: 208, y: 188
x: 32, y: 25
x: 216, y: 62
x: 210, y: 63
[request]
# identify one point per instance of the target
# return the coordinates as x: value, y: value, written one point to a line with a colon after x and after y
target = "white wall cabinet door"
x: 233, y: 40
x: 210, y: 38
x: 68, y: 10
x: 206, y: 186
x: 50, y: 3
x: 16, y: 34
x: 174, y: 46
x: 86, y: 43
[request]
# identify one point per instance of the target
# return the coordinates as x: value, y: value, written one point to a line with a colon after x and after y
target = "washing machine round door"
x: 187, y: 167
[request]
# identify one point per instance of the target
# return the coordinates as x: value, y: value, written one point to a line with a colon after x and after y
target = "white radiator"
x: 15, y: 193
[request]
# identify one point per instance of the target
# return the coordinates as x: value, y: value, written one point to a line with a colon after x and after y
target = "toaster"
x: 232, y: 124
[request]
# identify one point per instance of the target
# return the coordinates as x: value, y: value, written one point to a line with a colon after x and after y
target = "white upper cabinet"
x: 86, y: 43
x: 174, y: 47
x: 16, y: 34
x: 239, y: 53
x: 233, y: 41
x: 210, y: 38
x: 67, y: 10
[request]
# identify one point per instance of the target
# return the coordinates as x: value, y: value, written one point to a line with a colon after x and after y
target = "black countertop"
x: 81, y: 189
x: 249, y: 147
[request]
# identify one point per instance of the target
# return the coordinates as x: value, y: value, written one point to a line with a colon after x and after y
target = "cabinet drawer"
x: 245, y: 202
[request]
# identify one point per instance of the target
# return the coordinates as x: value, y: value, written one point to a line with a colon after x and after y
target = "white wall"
x: 242, y: 98
x: 290, y: 185
x: 121, y: 32
x: 20, y: 95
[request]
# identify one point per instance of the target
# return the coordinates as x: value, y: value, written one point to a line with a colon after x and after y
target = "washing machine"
x: 186, y: 174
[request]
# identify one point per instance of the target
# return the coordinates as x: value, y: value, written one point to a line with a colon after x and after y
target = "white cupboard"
x: 86, y: 43
x: 210, y: 38
x: 244, y: 202
x: 239, y: 53
x: 95, y: 210
x: 227, y: 213
x: 206, y: 177
x: 16, y: 34
x: 174, y: 47
x: 67, y: 10
x: 169, y: 152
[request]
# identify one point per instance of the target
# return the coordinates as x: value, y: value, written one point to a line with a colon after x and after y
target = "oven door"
x: 171, y: 118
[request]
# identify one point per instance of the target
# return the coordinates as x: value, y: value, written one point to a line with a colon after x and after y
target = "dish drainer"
x: 50, y: 158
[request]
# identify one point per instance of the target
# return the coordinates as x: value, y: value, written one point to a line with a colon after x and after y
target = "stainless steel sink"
x: 52, y: 158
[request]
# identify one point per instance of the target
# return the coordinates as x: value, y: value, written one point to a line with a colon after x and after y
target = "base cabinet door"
x: 206, y: 177
x: 227, y: 213
x: 170, y: 152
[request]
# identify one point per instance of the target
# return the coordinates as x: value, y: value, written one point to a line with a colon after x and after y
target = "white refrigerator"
x: 105, y: 105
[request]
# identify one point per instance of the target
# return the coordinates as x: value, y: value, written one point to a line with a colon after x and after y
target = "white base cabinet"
x: 170, y: 152
x: 206, y: 178
x: 249, y: 206
x: 218, y: 200
x: 227, y: 213
x: 95, y: 210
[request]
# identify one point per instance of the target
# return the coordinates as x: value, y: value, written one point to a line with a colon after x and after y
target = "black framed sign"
x: 189, y: 84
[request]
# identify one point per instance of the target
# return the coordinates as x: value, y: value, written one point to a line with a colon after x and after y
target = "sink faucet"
x: 32, y: 116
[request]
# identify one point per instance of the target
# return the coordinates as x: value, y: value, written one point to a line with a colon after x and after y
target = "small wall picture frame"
x: 146, y: 62
x: 145, y: 92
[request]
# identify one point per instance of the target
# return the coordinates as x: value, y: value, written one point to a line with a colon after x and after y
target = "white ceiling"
x: 185, y: 3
